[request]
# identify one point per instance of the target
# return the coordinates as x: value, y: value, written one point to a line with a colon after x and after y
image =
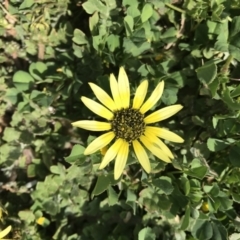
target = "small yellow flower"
x: 5, y: 232
x: 127, y: 125
x: 40, y: 221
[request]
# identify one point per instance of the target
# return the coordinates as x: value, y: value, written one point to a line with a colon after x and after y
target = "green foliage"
x: 50, y: 50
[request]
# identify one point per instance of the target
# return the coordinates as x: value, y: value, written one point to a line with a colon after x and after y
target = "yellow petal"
x: 99, y: 143
x: 140, y: 94
x: 103, y: 97
x: 92, y: 125
x: 142, y: 156
x: 115, y: 92
x: 97, y: 108
x: 5, y: 232
x: 121, y: 160
x: 155, y: 140
x: 163, y: 113
x: 111, y: 153
x: 154, y: 150
x: 123, y: 88
x: 152, y: 100
x: 165, y: 134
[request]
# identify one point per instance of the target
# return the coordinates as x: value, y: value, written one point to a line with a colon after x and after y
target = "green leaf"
x: 207, y: 73
x: 37, y: 70
x: 112, y: 196
x: 235, y: 26
x: 229, y: 101
x: 76, y: 154
x: 31, y: 170
x: 26, y: 216
x: 146, y: 234
x: 213, y: 86
x: 22, y: 80
x: 221, y: 46
x: 51, y: 207
x: 215, y: 145
x: 91, y: 6
x: 79, y: 37
x: 113, y: 42
x: 219, y: 231
x: 102, y: 184
x: 128, y: 22
x: 133, y: 11
x: 202, y: 229
x: 185, y: 219
x: 234, y: 156
x: 235, y: 50
x: 163, y: 184
x: 10, y: 134
x: 235, y: 92
x: 197, y: 172
x: 147, y: 12
x: 12, y: 95
x: 26, y: 4
x: 93, y: 21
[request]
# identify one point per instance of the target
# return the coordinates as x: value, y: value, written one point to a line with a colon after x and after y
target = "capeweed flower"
x: 127, y: 125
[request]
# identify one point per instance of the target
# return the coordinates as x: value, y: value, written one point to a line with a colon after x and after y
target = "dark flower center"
x: 128, y: 124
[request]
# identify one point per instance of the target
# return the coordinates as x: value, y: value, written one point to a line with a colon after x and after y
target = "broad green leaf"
x: 202, y: 229
x: 113, y: 42
x: 76, y: 154
x: 26, y: 4
x: 234, y: 156
x: 93, y: 21
x: 134, y: 3
x: 37, y: 70
x: 197, y: 172
x: 91, y: 6
x: 51, y: 207
x: 219, y: 231
x: 128, y: 22
x: 79, y: 37
x: 133, y: 11
x: 22, y: 80
x: 235, y: 26
x: 112, y: 196
x: 163, y: 184
x: 147, y: 12
x: 185, y: 219
x: 215, y: 145
x: 27, y: 216
x: 235, y: 92
x: 236, y: 197
x: 102, y: 184
x: 235, y: 50
x: 146, y: 234
x: 221, y: 46
x: 213, y: 86
x: 31, y: 170
x: 229, y: 101
x: 12, y: 95
x: 10, y: 134
x: 207, y: 73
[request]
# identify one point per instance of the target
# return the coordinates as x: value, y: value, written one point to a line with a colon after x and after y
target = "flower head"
x: 127, y: 125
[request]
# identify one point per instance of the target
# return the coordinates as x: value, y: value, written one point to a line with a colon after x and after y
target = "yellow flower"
x: 5, y: 232
x: 127, y: 125
x: 40, y: 221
